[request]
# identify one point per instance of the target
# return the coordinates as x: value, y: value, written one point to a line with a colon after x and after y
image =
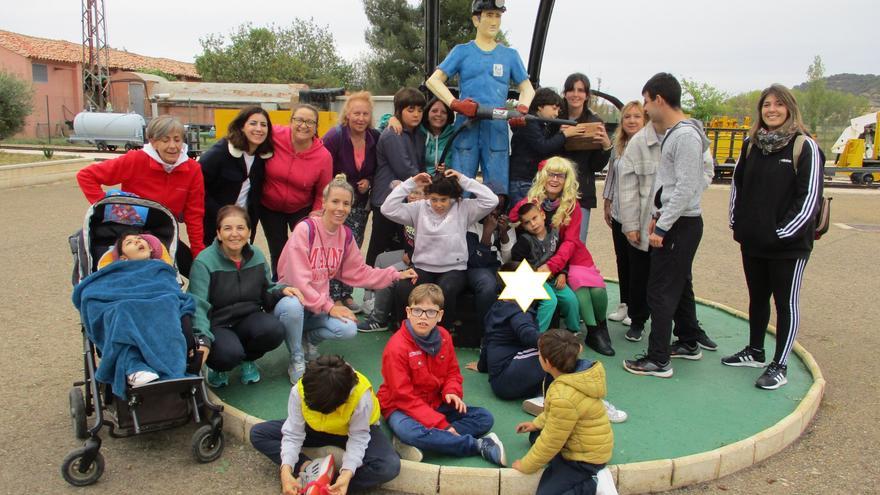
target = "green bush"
x: 15, y: 104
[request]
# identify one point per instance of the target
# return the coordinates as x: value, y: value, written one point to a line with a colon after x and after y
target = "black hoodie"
x: 773, y: 203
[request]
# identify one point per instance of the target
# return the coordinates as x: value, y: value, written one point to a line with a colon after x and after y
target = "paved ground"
x: 41, y: 357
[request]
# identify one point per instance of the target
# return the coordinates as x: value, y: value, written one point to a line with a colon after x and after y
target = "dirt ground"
x: 41, y: 357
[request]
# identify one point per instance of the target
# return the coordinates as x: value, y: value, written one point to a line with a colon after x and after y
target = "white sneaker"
x: 615, y: 415
x: 619, y: 314
x: 142, y: 378
x: 320, y: 452
x: 405, y: 451
x: 627, y: 321
x: 534, y: 406
x: 295, y: 371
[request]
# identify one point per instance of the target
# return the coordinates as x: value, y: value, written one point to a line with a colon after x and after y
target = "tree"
x: 702, y: 100
x: 302, y: 53
x: 397, y: 38
x: 16, y: 103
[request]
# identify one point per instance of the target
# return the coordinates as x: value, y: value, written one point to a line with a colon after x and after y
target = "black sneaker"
x: 370, y: 325
x: 634, y: 334
x: 749, y: 357
x: 646, y: 366
x: 773, y: 377
x: 681, y: 350
x: 705, y: 342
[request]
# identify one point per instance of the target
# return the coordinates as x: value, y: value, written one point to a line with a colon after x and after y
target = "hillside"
x: 867, y: 85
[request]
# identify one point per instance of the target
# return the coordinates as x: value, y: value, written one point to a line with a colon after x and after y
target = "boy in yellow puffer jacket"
x: 332, y: 405
x: 573, y: 433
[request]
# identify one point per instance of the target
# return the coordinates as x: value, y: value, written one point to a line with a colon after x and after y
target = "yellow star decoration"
x: 524, y: 285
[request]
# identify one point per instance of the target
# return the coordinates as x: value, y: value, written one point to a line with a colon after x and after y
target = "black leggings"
x: 452, y: 283
x: 276, y: 227
x: 780, y: 278
x: 385, y: 236
x: 247, y: 340
x: 622, y: 256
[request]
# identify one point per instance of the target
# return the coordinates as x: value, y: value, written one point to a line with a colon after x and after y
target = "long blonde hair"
x: 570, y: 190
x: 364, y: 96
x: 785, y: 96
x: 620, y: 139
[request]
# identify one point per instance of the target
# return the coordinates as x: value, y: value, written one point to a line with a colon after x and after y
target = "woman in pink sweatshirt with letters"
x: 322, y: 248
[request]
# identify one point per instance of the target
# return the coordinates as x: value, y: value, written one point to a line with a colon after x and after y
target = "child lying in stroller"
x: 135, y: 313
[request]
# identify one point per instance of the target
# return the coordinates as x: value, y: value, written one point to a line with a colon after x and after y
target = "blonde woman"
x: 556, y: 191
x: 352, y: 144
x: 632, y: 119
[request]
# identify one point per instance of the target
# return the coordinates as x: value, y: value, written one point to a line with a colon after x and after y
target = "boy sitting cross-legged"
x: 332, y: 405
x: 573, y: 433
x: 421, y: 396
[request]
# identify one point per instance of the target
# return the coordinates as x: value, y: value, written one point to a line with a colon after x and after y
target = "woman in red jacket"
x: 161, y: 172
x: 295, y: 178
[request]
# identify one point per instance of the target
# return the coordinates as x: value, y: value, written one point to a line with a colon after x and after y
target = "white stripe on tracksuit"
x: 794, y: 307
x: 808, y: 209
x: 526, y: 353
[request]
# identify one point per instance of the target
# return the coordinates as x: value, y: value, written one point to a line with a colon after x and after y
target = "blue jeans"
x: 517, y: 191
x: 484, y: 283
x: 471, y: 425
x: 585, y: 223
x: 301, y: 323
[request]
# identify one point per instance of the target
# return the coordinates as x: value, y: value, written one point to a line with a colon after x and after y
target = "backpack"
x: 311, y: 225
x: 823, y: 214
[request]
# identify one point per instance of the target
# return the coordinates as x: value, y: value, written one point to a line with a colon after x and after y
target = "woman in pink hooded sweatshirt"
x: 322, y: 248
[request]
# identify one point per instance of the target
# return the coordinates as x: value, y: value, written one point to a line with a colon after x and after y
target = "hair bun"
x: 340, y: 177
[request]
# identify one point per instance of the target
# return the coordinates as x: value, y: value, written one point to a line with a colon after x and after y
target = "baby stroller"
x: 152, y: 407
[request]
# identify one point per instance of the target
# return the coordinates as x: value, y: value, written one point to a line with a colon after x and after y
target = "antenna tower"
x: 96, y: 56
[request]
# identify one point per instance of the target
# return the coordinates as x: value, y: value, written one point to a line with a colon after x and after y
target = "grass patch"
x: 7, y: 158
x: 56, y: 141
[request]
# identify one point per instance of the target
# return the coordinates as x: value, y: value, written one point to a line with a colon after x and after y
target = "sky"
x: 734, y: 46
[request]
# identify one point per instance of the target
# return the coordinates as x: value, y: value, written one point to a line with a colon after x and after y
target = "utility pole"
x: 96, y: 56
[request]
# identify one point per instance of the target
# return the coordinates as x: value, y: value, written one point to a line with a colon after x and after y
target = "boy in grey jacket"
x: 675, y: 230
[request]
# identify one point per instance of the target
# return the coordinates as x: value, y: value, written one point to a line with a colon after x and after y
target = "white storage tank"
x: 116, y: 129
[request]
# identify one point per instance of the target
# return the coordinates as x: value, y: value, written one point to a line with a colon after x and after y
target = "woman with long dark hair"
x: 234, y: 168
x: 776, y: 190
x: 576, y: 106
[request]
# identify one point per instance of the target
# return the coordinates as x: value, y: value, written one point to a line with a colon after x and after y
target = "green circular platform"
x: 704, y: 405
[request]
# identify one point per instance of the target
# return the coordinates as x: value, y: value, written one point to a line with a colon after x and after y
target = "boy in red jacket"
x: 421, y: 394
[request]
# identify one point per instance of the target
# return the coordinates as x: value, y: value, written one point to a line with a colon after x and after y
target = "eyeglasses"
x: 427, y: 313
x: 302, y: 122
x: 556, y: 175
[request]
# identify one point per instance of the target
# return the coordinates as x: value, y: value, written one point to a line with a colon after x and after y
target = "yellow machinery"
x: 858, y: 147
x: 222, y: 118
x: 726, y: 137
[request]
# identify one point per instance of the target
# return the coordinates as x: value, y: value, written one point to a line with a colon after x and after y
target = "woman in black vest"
x: 235, y: 166
x: 776, y: 191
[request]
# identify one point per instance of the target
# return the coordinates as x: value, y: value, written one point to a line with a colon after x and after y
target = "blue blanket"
x: 131, y: 311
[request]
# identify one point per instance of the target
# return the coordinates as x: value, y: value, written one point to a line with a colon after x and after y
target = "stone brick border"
x: 633, y: 478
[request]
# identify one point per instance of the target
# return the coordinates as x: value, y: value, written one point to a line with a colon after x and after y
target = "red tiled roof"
x: 66, y: 51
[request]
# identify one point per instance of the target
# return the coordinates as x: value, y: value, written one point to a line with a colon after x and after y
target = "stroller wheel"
x: 72, y: 469
x: 204, y: 447
x: 78, y: 413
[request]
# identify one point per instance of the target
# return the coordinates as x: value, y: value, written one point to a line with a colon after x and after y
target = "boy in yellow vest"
x: 573, y: 433
x: 332, y: 405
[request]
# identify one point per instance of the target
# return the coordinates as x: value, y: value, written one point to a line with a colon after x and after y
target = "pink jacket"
x: 310, y: 268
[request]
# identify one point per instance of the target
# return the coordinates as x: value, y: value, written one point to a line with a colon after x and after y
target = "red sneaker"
x: 317, y: 476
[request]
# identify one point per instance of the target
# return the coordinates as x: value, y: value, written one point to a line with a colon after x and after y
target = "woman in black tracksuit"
x: 774, y: 198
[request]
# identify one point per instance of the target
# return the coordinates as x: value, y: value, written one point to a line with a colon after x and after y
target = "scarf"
x: 775, y: 140
x: 551, y: 205
x: 429, y: 343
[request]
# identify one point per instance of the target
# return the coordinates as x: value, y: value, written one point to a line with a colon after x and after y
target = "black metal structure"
x: 432, y: 36
x: 539, y: 40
